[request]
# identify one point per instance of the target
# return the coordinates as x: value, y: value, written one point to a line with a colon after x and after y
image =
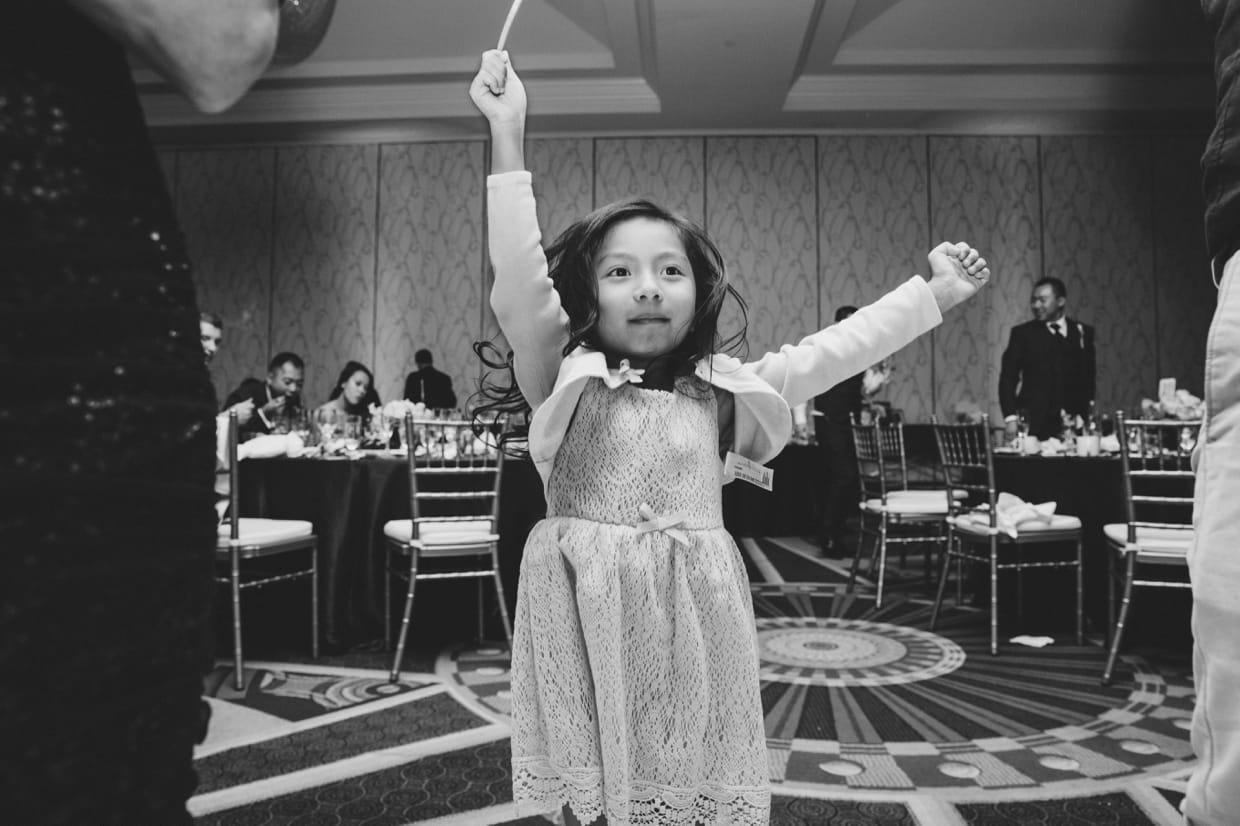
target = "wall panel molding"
x: 371, y: 250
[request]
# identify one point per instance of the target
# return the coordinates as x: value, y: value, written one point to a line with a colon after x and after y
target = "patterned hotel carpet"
x: 871, y: 719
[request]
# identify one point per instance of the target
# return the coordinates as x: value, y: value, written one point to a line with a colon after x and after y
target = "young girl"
x: 635, y: 696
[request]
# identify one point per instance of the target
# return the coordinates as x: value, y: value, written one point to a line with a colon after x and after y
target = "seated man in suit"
x: 1052, y: 360
x: 279, y: 396
x: 429, y: 386
x: 211, y: 334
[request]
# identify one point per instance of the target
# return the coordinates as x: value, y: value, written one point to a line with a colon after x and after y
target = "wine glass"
x: 299, y: 426
x: 351, y: 433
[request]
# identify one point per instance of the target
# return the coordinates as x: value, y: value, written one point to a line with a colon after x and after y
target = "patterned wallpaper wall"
x: 373, y: 251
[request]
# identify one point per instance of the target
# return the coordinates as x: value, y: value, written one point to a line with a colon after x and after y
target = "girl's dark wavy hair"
x: 570, y: 261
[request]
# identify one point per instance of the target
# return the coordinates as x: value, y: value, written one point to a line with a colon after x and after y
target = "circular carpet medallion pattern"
x: 834, y: 651
x: 865, y: 699
x: 933, y: 712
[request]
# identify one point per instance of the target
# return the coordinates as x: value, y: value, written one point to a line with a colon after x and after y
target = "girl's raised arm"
x: 524, y: 299
x: 499, y: 94
x: 824, y: 359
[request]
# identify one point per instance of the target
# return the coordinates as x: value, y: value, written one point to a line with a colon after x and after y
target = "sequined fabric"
x: 106, y: 449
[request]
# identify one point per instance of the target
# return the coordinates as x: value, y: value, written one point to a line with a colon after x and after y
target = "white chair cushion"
x: 466, y: 532
x: 930, y: 505
x: 255, y: 531
x: 933, y: 494
x: 979, y: 523
x: 1153, y: 540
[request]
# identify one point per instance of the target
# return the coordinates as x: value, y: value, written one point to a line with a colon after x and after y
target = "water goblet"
x: 327, y: 420
x: 351, y: 432
x: 299, y: 426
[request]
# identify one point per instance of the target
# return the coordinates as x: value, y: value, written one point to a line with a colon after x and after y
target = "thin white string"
x: 512, y: 15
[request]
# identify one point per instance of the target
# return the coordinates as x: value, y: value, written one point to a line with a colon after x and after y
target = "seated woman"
x: 353, y: 394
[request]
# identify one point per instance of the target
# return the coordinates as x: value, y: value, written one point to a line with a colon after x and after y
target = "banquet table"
x: 793, y: 507
x: 348, y: 501
x: 1087, y: 487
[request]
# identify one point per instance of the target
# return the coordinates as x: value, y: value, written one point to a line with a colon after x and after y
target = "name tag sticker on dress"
x: 736, y: 466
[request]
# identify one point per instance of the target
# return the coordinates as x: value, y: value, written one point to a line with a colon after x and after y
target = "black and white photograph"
x: 620, y: 412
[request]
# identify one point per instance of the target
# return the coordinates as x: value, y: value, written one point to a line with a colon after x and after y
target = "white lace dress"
x: 634, y: 664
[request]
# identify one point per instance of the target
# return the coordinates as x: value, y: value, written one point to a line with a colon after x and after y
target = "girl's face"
x: 646, y: 291
x: 355, y: 387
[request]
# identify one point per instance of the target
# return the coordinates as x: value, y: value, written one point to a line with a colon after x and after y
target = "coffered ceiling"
x: 400, y: 68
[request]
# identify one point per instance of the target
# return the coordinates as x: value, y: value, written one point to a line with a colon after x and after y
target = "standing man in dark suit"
x: 279, y: 396
x: 429, y: 386
x: 833, y: 431
x: 1052, y: 360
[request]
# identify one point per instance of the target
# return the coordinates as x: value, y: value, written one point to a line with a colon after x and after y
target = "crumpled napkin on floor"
x: 1012, y: 512
x: 1032, y: 642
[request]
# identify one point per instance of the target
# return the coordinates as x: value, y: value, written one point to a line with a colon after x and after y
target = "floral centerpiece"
x: 1181, y: 405
x: 1176, y: 405
x: 397, y: 409
x: 386, y: 421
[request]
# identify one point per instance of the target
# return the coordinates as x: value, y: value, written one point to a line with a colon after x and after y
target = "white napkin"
x: 270, y: 445
x: 1012, y: 512
x: 1051, y: 447
x: 1032, y: 642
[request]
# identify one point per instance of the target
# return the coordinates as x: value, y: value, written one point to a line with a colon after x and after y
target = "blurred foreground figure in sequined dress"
x: 107, y: 530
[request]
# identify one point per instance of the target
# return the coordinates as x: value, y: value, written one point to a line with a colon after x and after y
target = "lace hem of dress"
x: 538, y: 787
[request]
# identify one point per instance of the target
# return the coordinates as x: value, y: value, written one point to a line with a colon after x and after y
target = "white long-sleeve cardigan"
x: 529, y: 312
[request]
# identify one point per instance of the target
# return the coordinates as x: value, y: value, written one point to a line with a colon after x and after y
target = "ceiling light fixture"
x: 303, y: 24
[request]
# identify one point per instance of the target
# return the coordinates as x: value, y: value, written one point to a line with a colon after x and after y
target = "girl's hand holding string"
x: 498, y: 93
x: 957, y: 271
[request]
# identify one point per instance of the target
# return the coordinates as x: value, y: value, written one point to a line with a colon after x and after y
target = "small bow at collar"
x: 663, y: 524
x: 624, y: 374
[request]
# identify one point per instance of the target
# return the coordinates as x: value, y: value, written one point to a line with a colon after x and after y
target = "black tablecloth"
x: 794, y: 505
x: 348, y: 501
x: 1087, y: 487
x: 1092, y: 488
